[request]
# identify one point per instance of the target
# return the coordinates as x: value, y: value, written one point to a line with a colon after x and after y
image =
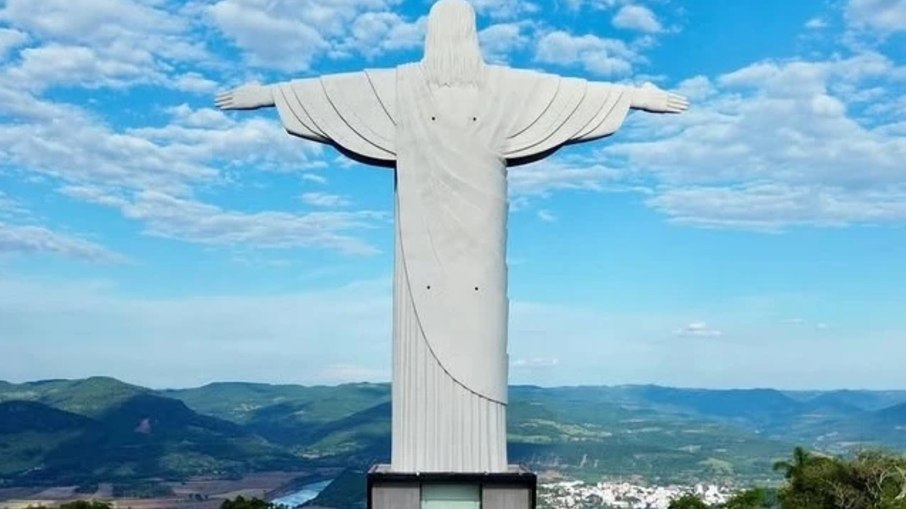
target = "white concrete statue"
x: 450, y: 125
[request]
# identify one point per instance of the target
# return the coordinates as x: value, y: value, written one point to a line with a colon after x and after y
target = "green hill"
x: 90, y: 397
x: 579, y: 431
x: 294, y: 404
x: 582, y: 432
x: 33, y: 417
x: 30, y: 431
x: 100, y: 429
x: 834, y: 420
x: 145, y: 436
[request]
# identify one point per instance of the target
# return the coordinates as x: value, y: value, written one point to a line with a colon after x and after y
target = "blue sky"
x: 757, y: 240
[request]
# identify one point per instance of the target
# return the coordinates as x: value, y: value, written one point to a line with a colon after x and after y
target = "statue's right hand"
x: 246, y: 97
x: 651, y: 98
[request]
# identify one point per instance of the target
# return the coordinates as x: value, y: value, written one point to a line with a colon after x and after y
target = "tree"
x: 792, y: 469
x: 688, y: 501
x: 85, y: 504
x: 870, y: 480
x: 241, y: 502
x: 755, y: 498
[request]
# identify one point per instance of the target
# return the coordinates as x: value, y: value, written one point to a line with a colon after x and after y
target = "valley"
x: 224, y: 439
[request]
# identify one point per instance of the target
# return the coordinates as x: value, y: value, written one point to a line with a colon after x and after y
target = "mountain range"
x: 103, y: 430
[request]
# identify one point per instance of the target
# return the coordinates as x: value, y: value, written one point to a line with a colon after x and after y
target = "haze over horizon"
x: 387, y: 382
x: 755, y: 241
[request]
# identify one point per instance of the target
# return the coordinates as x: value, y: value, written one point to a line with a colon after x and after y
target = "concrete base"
x: 516, y: 489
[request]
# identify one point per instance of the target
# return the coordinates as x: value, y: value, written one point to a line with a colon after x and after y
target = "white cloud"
x: 194, y: 82
x: 505, y: 9
x: 311, y: 177
x: 55, y: 64
x: 269, y: 39
x: 773, y: 145
x: 884, y: 16
x: 326, y: 200
x: 600, y: 56
x: 699, y: 330
x: 696, y: 88
x: 150, y: 174
x: 375, y: 33
x: 546, y: 216
x: 534, y: 363
x: 500, y: 40
x: 594, y: 4
x: 204, y: 135
x: 10, y: 208
x: 89, y: 20
x: 281, y: 35
x: 9, y: 39
x: 816, y: 24
x: 541, y: 178
x: 772, y: 207
x: 67, y: 143
x: 105, y: 43
x: 190, y: 220
x: 637, y: 17
x: 37, y: 239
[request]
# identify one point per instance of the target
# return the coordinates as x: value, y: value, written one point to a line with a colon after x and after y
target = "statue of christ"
x: 450, y: 125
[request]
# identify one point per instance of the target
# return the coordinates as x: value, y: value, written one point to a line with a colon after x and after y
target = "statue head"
x: 452, y: 54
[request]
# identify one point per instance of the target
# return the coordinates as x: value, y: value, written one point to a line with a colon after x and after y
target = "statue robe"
x: 450, y: 301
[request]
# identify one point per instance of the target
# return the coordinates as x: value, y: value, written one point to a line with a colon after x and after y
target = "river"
x: 306, y: 493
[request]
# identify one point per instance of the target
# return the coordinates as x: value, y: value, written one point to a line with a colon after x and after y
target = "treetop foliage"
x: 869, y: 480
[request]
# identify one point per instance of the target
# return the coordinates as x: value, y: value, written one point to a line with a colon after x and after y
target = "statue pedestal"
x: 515, y: 489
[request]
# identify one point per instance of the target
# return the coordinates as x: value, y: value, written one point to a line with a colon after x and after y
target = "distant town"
x: 623, y: 495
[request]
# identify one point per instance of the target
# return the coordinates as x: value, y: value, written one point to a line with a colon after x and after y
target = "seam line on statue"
x: 544, y: 111
x: 562, y: 119
x: 376, y: 94
x: 313, y: 127
x: 351, y: 114
x: 597, y: 111
x: 421, y: 329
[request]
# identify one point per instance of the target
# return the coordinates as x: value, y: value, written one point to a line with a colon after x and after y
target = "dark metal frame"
x: 521, y: 477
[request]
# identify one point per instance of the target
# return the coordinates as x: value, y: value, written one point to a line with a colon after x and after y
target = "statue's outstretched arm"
x: 650, y: 98
x: 247, y: 97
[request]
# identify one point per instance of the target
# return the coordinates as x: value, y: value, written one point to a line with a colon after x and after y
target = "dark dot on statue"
x: 433, y: 118
x: 476, y: 288
x: 474, y: 119
x: 429, y: 287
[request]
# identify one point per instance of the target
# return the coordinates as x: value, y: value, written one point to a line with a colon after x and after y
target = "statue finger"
x: 678, y: 101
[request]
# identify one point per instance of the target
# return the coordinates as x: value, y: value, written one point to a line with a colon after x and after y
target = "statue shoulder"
x: 503, y: 72
x: 514, y: 80
x: 382, y: 73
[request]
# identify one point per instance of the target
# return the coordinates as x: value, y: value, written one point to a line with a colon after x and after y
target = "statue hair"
x: 452, y: 54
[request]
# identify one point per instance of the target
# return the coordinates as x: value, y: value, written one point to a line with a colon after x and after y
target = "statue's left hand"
x: 246, y: 97
x: 651, y: 98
